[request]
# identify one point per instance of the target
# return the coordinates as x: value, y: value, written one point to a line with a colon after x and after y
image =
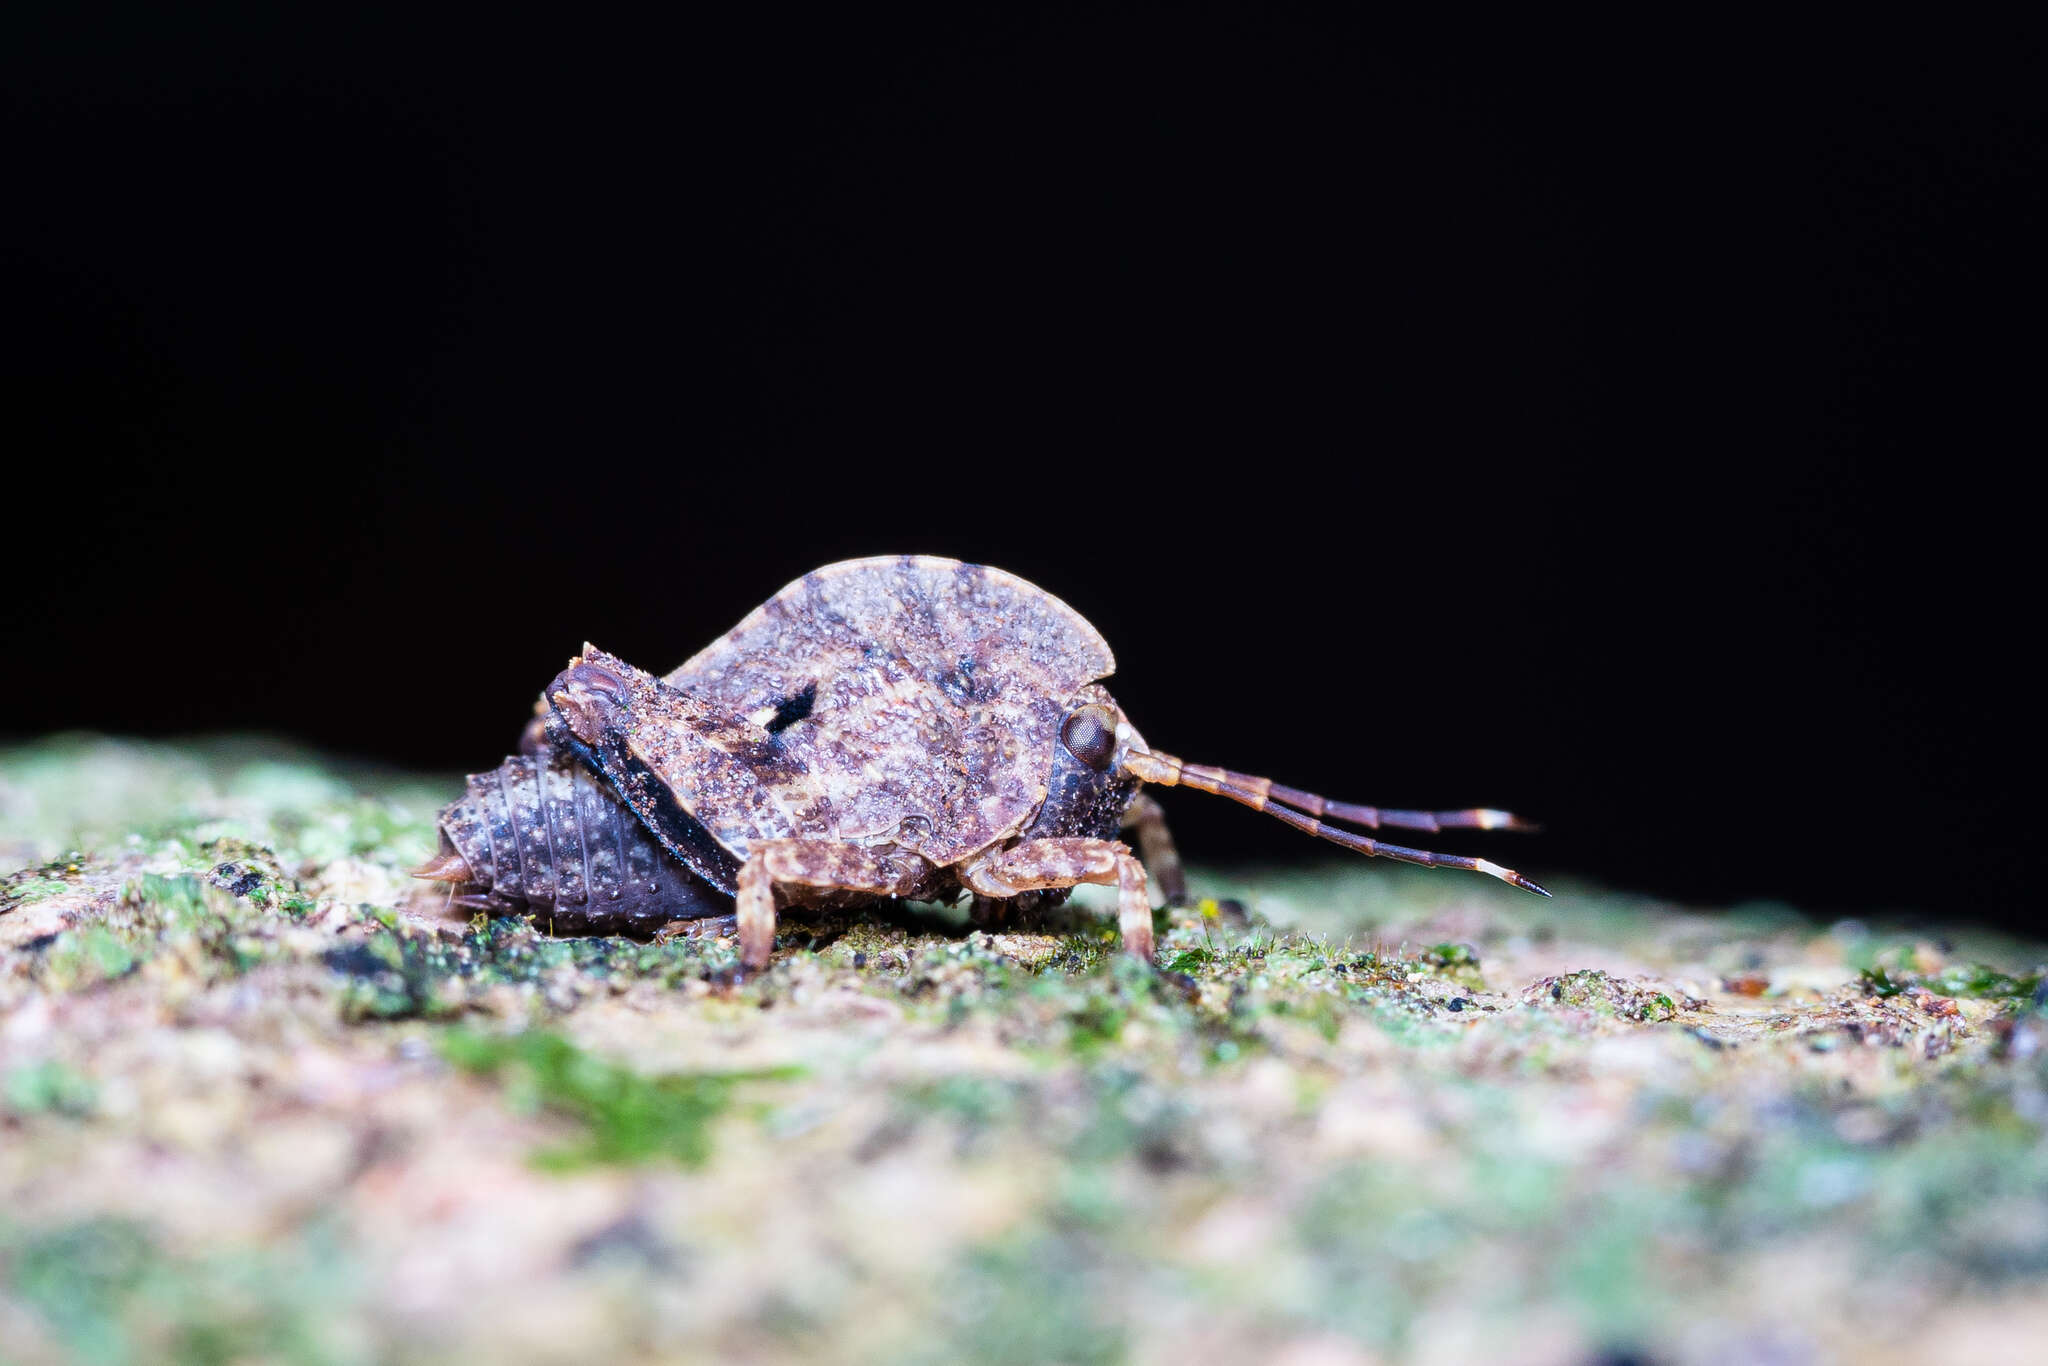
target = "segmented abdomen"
x: 544, y: 836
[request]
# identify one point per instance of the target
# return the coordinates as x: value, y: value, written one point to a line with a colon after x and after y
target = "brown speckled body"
x: 819, y: 716
x: 897, y: 727
x: 881, y: 728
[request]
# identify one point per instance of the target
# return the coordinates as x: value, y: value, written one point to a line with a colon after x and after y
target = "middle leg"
x: 804, y: 869
x: 1037, y: 865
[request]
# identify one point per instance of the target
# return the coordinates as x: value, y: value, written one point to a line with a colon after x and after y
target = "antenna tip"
x: 1508, y: 875
x: 1489, y: 819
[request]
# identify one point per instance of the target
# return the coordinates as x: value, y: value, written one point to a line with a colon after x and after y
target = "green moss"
x: 79, y: 1277
x: 1593, y: 990
x: 1974, y: 981
x: 627, y: 1117
x: 201, y: 930
x: 977, y: 1100
x: 1457, y: 963
x: 1585, y: 990
x: 48, y: 1087
x: 1131, y: 1117
x: 108, y: 1293
x: 1382, y: 1237
x: 393, y: 973
x: 1034, y: 1296
x: 22, y: 890
x: 1084, y: 952
x: 1982, y: 983
x: 179, y: 901
x: 52, y: 878
x: 86, y: 957
x: 389, y: 976
x: 1094, y: 1024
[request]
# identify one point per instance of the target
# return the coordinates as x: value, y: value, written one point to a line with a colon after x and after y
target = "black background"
x: 1629, y: 428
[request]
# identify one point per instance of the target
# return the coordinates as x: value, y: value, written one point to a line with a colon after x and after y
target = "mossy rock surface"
x: 262, y: 1098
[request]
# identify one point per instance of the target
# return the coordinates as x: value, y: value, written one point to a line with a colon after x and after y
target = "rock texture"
x: 264, y: 1098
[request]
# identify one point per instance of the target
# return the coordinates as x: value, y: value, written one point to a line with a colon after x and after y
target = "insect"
x: 897, y: 727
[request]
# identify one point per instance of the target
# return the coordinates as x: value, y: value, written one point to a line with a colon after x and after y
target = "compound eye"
x: 1090, y: 735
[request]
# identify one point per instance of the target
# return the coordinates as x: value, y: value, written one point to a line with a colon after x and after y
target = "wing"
x: 705, y: 782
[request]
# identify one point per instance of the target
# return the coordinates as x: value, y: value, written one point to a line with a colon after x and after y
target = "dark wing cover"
x: 702, y: 779
x: 920, y: 696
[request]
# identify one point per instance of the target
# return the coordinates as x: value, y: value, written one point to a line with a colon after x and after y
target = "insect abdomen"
x: 543, y: 836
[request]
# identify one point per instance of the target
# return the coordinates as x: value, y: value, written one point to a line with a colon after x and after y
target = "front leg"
x: 804, y: 869
x: 1037, y: 865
